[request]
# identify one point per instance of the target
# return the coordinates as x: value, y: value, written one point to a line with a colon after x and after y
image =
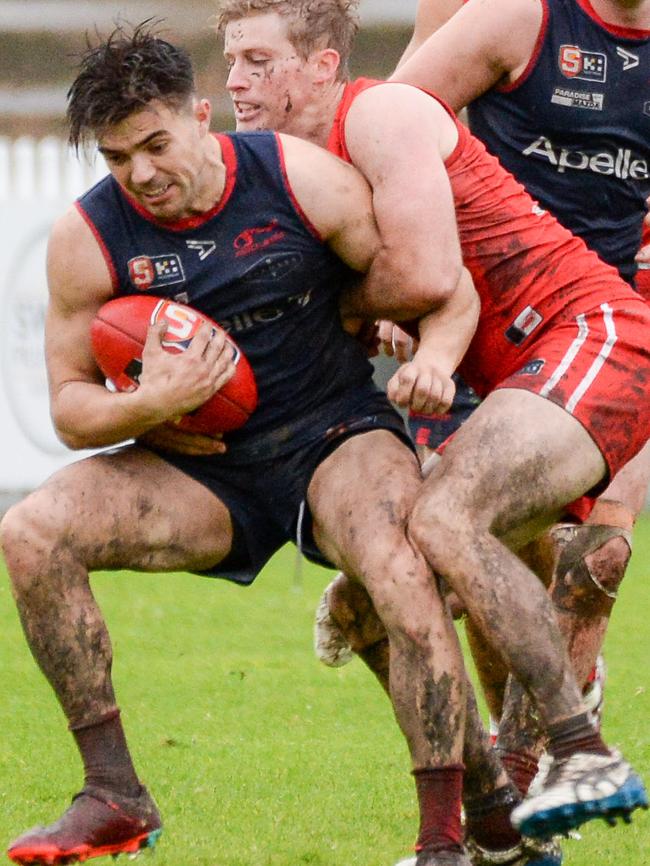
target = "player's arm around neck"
x: 85, y: 414
x: 335, y: 198
x: 485, y: 43
x: 399, y: 138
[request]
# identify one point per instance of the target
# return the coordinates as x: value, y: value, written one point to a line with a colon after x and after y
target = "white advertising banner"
x: 30, y: 448
x: 38, y: 180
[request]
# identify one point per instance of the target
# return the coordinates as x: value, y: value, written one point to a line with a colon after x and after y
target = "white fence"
x: 38, y: 180
x: 45, y: 169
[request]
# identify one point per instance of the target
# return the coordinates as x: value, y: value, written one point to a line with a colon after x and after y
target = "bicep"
x: 78, y: 283
x: 335, y: 198
x: 401, y: 158
x: 481, y: 45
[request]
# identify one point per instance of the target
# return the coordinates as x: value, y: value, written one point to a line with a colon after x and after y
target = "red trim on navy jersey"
x: 294, y: 201
x: 537, y: 48
x: 193, y: 222
x: 102, y: 246
x: 615, y: 29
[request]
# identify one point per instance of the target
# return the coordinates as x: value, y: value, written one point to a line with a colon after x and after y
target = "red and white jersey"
x: 529, y: 271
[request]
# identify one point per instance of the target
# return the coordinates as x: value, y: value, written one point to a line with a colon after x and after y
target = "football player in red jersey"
x: 529, y: 69
x: 502, y: 478
x: 324, y: 460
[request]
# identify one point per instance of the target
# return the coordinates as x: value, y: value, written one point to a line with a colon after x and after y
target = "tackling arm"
x: 399, y: 138
x: 337, y: 200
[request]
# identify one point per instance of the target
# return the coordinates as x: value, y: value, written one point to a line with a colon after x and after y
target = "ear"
x: 325, y: 63
x: 203, y: 114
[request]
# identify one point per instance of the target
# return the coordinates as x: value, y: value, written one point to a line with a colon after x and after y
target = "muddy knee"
x: 435, y: 527
x: 591, y: 564
x: 26, y: 544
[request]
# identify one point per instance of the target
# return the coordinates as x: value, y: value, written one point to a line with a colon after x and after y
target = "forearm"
x: 398, y: 290
x: 445, y: 333
x: 424, y: 384
x: 87, y: 415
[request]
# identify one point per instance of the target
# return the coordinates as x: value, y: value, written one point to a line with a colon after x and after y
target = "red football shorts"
x: 596, y: 366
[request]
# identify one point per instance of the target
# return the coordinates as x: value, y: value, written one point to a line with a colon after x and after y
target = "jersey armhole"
x: 110, y: 264
x: 537, y: 48
x: 311, y: 228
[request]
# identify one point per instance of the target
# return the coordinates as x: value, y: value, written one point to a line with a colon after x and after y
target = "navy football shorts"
x: 267, y: 497
x: 430, y: 431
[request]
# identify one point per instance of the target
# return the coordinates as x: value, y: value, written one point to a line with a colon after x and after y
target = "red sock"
x: 521, y: 767
x: 106, y: 758
x: 439, y: 792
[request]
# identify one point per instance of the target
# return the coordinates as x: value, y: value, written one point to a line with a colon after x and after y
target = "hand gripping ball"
x: 118, y: 333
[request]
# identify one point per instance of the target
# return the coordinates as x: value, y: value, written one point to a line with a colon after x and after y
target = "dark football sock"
x: 576, y: 734
x: 487, y: 819
x: 105, y: 755
x: 439, y: 792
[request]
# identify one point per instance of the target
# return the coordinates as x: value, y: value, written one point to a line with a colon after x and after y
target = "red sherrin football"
x: 118, y: 333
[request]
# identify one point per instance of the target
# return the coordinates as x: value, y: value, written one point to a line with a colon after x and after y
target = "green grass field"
x: 258, y: 755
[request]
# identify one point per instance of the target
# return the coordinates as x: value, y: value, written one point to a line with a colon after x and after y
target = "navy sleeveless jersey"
x: 575, y: 128
x: 255, y: 265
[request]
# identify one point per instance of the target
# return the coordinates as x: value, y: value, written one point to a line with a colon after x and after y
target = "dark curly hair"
x: 122, y: 74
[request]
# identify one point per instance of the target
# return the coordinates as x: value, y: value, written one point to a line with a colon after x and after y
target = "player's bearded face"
x: 158, y: 156
x: 269, y: 81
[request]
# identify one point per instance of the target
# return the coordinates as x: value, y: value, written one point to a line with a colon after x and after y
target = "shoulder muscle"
x: 485, y: 42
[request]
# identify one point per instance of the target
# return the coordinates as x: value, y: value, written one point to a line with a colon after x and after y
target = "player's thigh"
x: 630, y: 485
x: 360, y: 497
x: 129, y: 509
x: 518, y: 460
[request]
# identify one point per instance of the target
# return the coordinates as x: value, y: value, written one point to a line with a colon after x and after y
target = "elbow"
x: 424, y: 288
x: 71, y: 440
x: 69, y: 434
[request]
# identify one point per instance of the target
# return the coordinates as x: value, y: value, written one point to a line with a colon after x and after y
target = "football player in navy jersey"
x: 556, y: 89
x: 329, y: 466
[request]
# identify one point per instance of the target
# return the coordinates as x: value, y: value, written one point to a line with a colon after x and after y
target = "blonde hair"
x: 311, y: 24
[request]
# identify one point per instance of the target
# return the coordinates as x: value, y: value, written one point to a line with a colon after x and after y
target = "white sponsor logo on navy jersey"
x: 622, y: 163
x: 630, y: 61
x: 578, y: 98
